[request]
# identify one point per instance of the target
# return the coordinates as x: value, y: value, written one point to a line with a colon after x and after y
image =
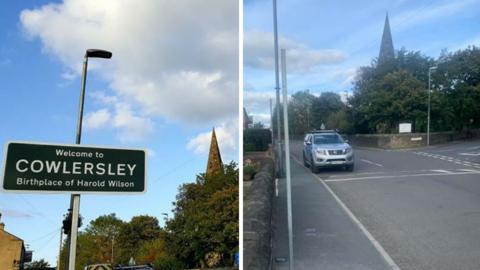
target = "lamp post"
x: 277, y: 88
x: 428, y: 113
x: 75, y: 198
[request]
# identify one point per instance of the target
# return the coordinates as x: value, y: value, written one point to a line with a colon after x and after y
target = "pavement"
x: 400, y: 209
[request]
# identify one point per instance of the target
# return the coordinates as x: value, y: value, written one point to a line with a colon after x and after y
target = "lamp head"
x: 96, y: 53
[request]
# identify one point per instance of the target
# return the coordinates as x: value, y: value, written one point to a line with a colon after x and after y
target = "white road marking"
x: 451, y: 159
x: 400, y: 176
x: 371, y: 162
x: 469, y: 154
x: 369, y: 236
x: 468, y: 170
x: 442, y: 171
x: 276, y: 187
x: 391, y: 263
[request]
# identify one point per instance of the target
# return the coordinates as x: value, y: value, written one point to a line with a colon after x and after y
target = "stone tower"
x: 214, y: 164
x: 386, y: 47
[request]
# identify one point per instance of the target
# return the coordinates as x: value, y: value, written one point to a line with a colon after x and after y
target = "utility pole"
x: 60, y: 249
x: 271, y: 119
x: 277, y: 87
x: 428, y: 113
x: 287, y: 159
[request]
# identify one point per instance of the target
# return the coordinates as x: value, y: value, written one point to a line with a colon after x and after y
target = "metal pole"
x: 277, y: 84
x: 287, y: 159
x: 60, y: 249
x: 75, y: 198
x: 428, y: 113
x: 271, y: 119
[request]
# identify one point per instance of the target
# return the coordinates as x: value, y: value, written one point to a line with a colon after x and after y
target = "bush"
x: 256, y: 139
x: 248, y: 172
x: 168, y: 263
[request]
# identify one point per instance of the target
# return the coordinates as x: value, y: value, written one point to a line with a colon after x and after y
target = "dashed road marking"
x: 449, y: 159
x: 371, y: 162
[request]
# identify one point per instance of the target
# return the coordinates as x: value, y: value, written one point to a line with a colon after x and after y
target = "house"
x: 12, y: 250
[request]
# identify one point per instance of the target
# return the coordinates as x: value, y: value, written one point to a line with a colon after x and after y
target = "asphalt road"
x: 408, y: 209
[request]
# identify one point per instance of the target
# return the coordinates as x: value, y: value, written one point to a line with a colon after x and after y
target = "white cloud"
x: 263, y: 118
x: 177, y: 60
x: 132, y: 128
x: 227, y: 136
x: 429, y: 13
x: 258, y: 51
x: 97, y: 119
x: 255, y: 101
x: 69, y: 75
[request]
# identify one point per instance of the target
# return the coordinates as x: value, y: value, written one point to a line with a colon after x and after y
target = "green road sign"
x: 35, y: 167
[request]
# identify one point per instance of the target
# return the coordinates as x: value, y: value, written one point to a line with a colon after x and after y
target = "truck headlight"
x: 321, y: 152
x: 348, y: 150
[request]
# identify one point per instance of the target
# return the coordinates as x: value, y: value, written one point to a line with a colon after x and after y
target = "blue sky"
x: 327, y: 41
x: 173, y: 76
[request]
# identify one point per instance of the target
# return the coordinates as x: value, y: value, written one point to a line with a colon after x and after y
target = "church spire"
x: 214, y: 164
x: 386, y: 47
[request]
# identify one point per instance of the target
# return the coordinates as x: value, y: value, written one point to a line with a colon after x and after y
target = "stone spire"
x: 386, y: 47
x: 214, y: 164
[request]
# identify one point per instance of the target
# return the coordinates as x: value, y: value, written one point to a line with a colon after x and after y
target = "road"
x: 400, y: 209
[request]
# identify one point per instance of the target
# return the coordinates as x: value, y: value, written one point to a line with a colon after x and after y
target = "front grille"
x: 335, y: 159
x: 335, y: 152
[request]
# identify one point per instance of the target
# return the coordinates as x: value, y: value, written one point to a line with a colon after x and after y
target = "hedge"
x: 256, y: 139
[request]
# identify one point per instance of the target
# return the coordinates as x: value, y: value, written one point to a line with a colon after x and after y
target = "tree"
x: 204, y: 230
x: 37, y: 265
x: 134, y: 234
x: 325, y: 105
x: 300, y: 112
x: 339, y: 120
x: 258, y: 125
x: 94, y: 244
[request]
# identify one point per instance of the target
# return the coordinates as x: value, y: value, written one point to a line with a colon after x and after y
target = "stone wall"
x: 257, y: 215
x: 408, y: 140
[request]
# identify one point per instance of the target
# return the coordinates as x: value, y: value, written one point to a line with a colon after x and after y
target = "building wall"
x: 11, y: 248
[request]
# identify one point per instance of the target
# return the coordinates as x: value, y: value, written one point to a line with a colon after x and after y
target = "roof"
x: 214, y: 164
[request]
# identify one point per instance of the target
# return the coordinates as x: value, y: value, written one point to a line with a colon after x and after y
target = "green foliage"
x: 37, y: 265
x: 168, y: 263
x: 203, y: 231
x: 300, y: 112
x: 388, y: 94
x: 325, y: 105
x: 256, y: 139
x: 339, y: 120
x: 258, y: 125
x: 134, y: 234
x: 206, y: 219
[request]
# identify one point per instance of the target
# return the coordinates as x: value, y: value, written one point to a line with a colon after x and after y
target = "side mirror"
x: 346, y: 141
x: 308, y: 143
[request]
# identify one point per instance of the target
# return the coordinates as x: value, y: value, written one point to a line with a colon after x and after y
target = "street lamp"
x: 75, y: 198
x: 428, y: 113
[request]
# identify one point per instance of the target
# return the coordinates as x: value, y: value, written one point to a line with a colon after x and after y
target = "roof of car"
x: 322, y: 131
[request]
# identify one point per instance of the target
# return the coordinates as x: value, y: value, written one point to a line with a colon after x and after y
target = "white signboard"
x: 405, y: 128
